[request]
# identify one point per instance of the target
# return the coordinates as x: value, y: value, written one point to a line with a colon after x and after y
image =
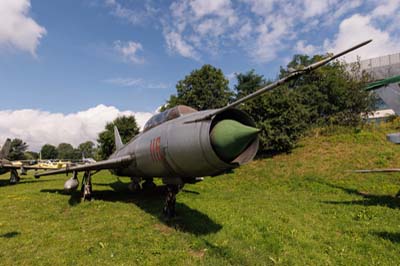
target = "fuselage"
x: 181, y: 148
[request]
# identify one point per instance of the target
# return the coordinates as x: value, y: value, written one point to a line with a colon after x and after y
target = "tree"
x: 65, y: 151
x: 87, y: 149
x: 204, y: 88
x: 48, y: 151
x: 279, y: 114
x: 127, y: 128
x: 31, y: 155
x: 333, y: 94
x: 18, y: 147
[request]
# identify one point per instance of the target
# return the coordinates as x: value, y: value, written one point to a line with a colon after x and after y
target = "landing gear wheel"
x: 86, y: 188
x: 134, y: 186
x: 14, y: 177
x: 23, y: 171
x: 170, y: 201
x: 148, y: 184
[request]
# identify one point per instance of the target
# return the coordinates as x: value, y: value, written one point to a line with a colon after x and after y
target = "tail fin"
x: 5, y: 150
x: 117, y: 137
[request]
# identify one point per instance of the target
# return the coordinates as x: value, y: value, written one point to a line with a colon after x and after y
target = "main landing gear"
x: 14, y: 177
x: 170, y: 201
x: 86, y: 188
x: 148, y: 185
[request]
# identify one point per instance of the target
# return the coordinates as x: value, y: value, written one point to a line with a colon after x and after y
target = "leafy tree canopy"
x: 49, y: 151
x: 204, y: 88
x: 333, y: 94
x: 31, y: 155
x: 18, y: 147
x: 87, y: 149
x: 65, y: 151
x: 279, y: 113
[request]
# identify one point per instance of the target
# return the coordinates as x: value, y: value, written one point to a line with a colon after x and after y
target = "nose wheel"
x: 134, y: 186
x: 148, y: 184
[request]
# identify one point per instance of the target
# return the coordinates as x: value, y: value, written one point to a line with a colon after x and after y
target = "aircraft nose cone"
x: 230, y: 138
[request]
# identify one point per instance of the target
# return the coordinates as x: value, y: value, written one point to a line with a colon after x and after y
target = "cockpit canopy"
x: 167, y: 115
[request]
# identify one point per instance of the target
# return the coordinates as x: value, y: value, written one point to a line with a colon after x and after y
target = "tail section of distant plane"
x: 117, y: 137
x: 389, y: 91
x: 5, y: 150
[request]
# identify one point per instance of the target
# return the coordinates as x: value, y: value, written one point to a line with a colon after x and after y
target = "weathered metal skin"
x: 180, y: 148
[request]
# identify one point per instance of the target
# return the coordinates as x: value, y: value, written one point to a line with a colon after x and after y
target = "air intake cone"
x: 230, y: 138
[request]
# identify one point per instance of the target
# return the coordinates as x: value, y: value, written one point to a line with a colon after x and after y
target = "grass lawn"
x: 301, y: 208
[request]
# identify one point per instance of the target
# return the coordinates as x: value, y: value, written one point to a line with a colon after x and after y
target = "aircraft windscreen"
x: 167, y: 115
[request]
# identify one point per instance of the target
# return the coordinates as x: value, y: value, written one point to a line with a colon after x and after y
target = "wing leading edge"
x: 106, y: 164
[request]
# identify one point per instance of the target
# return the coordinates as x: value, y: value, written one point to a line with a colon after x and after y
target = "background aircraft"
x: 389, y: 91
x: 181, y: 144
x: 12, y: 167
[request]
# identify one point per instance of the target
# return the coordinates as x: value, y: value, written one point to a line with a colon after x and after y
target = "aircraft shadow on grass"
x: 368, y: 199
x: 10, y: 234
x: 392, y: 237
x: 151, y: 201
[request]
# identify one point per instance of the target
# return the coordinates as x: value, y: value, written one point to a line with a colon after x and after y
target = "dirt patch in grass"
x: 198, y: 253
x: 162, y: 228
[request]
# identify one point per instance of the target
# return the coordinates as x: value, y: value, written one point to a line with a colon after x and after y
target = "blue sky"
x: 68, y: 57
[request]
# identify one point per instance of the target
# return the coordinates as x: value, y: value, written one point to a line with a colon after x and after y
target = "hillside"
x: 301, y: 208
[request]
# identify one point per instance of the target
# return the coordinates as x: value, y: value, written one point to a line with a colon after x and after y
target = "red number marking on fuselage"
x: 155, y: 149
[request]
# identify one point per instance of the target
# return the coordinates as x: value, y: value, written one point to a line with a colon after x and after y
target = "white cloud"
x: 124, y: 82
x: 261, y: 7
x: 134, y: 16
x: 271, y: 35
x: 340, y: 11
x: 316, y: 7
x: 129, y: 50
x: 176, y: 44
x: 198, y: 25
x: 268, y: 29
x: 220, y: 9
x: 359, y: 28
x: 136, y: 82
x: 386, y: 8
x: 304, y: 48
x: 17, y: 29
x: 38, y: 127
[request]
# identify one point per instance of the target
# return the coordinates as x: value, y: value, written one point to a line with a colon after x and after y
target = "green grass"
x: 301, y: 208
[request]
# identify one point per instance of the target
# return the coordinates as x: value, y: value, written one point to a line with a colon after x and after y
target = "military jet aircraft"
x: 12, y: 167
x: 182, y: 145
